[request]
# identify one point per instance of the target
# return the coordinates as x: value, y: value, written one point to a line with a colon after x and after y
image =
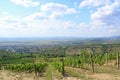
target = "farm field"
x: 74, y: 74
x: 61, y: 62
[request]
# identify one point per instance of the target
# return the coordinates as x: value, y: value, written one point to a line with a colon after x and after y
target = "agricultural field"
x: 61, y: 60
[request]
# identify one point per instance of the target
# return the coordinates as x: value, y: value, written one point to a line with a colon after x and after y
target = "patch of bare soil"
x: 102, y: 76
x: 98, y: 76
x: 8, y: 75
x: 68, y: 78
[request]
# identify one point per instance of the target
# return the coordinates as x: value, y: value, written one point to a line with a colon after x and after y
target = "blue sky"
x: 56, y: 18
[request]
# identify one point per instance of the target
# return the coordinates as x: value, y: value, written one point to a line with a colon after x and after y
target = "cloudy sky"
x: 51, y: 18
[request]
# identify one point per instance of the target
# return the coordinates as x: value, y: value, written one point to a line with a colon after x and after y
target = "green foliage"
x: 38, y: 67
x: 99, y: 59
x: 111, y: 56
x: 0, y: 65
x: 57, y: 65
x: 13, y: 60
x: 84, y: 59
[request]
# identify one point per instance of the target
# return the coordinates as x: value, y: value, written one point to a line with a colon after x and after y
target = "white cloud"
x: 105, y: 20
x: 14, y: 26
x: 45, y: 22
x: 51, y: 11
x: 11, y: 26
x: 108, y: 14
x: 56, y: 7
x: 113, y: 31
x: 37, y: 16
x: 11, y: 23
x: 26, y: 3
x: 51, y: 20
x: 57, y: 10
x: 94, y: 3
x: 82, y: 27
x: 69, y: 25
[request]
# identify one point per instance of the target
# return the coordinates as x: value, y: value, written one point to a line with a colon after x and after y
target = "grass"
x: 79, y: 74
x: 74, y: 73
x: 107, y: 69
x: 49, y: 72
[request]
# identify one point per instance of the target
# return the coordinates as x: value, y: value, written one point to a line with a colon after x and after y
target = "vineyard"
x: 85, y: 63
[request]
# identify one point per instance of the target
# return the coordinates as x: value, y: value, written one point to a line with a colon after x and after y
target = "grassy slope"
x: 102, y: 73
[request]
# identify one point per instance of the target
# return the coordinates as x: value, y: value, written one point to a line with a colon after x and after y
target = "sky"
x: 59, y: 18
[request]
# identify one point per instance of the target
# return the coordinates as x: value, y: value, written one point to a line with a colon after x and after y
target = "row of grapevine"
x: 57, y: 65
x: 29, y: 67
x: 82, y: 60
